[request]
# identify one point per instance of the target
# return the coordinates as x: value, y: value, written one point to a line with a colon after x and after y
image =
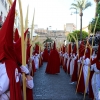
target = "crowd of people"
x: 82, y: 64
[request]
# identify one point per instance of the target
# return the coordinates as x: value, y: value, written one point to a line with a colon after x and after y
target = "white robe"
x: 36, y: 61
x: 4, y: 82
x: 72, y: 66
x: 85, y: 70
x: 64, y: 55
x: 68, y: 62
x: 96, y: 82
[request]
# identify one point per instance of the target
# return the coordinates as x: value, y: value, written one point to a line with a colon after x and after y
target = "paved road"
x: 54, y: 87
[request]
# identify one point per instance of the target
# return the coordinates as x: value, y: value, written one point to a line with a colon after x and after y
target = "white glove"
x: 30, y: 84
x: 74, y: 55
x: 24, y: 69
x: 92, y: 67
x: 32, y: 58
x: 83, y: 57
x: 78, y: 61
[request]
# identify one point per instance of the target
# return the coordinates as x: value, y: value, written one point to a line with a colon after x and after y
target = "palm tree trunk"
x: 81, y: 14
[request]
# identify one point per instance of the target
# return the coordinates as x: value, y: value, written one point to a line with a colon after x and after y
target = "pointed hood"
x: 69, y: 48
x: 75, y: 49
x: 87, y: 54
x: 28, y: 50
x: 16, y: 37
x: 28, y: 53
x: 81, y: 49
x: 54, y: 46
x: 36, y: 49
x: 6, y: 35
x: 17, y: 48
x: 46, y: 45
x: 63, y: 49
x: 28, y: 42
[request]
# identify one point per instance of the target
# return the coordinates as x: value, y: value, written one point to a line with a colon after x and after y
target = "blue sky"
x: 55, y: 13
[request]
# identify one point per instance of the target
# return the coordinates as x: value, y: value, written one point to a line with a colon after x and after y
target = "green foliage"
x: 80, y: 5
x: 92, y: 24
x: 37, y: 43
x: 48, y: 40
x: 77, y: 33
x: 98, y: 8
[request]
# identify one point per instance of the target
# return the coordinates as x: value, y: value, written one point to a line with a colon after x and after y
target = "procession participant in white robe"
x: 86, y: 64
x: 64, y: 59
x: 80, y: 86
x: 69, y: 58
x: 65, y: 62
x: 4, y: 81
x: 36, y: 61
x: 8, y: 66
x: 91, y: 95
x: 96, y: 76
x: 74, y: 67
x: 72, y: 64
x: 61, y: 57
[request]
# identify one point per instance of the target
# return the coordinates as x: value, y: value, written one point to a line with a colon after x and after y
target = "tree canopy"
x: 80, y: 5
x: 77, y: 33
x: 48, y: 40
x: 93, y: 22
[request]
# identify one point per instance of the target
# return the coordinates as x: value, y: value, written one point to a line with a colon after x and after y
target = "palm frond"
x: 73, y: 8
x: 74, y: 5
x: 79, y: 4
x: 88, y: 4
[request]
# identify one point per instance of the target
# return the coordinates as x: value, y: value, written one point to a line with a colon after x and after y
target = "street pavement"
x: 54, y: 87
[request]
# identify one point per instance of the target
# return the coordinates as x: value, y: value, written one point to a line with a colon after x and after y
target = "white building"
x: 4, y: 8
x: 70, y: 27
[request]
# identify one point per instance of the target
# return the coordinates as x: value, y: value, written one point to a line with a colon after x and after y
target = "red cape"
x: 74, y: 75
x: 81, y: 85
x: 53, y: 65
x: 45, y: 55
x: 15, y: 88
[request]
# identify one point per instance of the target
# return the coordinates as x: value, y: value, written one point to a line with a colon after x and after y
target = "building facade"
x: 70, y: 27
x: 4, y: 8
x: 56, y: 35
x: 85, y: 29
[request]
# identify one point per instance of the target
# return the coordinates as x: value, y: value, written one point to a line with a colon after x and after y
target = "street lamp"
x: 76, y: 16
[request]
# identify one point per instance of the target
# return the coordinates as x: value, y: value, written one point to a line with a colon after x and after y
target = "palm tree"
x: 96, y: 1
x: 81, y: 5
